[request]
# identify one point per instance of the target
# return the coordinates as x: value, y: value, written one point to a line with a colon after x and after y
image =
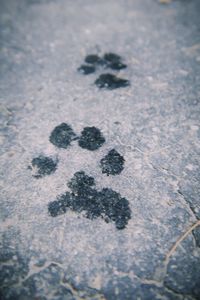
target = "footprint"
x: 108, y: 61
x: 84, y: 197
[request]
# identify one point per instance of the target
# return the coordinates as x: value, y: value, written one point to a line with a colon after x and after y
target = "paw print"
x: 83, y: 196
x: 112, y: 61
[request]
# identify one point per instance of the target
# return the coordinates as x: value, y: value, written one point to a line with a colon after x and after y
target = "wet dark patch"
x: 91, y: 138
x: 114, y: 61
x: 117, y: 123
x: 85, y: 69
x: 110, y: 81
x: 62, y: 135
x: 112, y: 163
x: 59, y: 206
x: 106, y: 204
x: 42, y: 166
x: 81, y: 183
x: 117, y: 66
x: 112, y: 57
x: 93, y: 59
x: 109, y: 61
x: 115, y: 208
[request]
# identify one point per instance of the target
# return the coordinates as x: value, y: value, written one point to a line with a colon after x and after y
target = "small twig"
x: 173, y: 249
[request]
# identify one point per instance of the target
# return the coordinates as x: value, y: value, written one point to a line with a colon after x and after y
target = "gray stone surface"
x: 153, y: 123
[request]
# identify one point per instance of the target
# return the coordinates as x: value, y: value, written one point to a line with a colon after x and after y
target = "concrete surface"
x: 153, y: 123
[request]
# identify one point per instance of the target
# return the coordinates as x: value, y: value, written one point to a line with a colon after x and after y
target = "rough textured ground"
x: 153, y: 123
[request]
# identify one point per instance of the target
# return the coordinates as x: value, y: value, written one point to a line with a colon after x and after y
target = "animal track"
x: 108, y: 61
x: 84, y: 197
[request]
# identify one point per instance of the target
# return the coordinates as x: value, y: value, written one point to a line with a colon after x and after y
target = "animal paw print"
x: 108, y: 61
x: 84, y: 197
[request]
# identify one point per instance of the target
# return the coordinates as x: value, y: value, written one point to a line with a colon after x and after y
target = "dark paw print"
x: 84, y: 197
x: 108, y: 61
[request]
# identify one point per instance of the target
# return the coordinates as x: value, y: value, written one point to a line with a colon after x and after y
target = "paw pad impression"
x: 62, y: 135
x: 106, y: 203
x: 42, y: 166
x: 91, y: 138
x: 112, y: 163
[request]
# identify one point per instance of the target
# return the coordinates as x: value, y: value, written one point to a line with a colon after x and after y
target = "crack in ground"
x: 177, y: 294
x: 97, y: 295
